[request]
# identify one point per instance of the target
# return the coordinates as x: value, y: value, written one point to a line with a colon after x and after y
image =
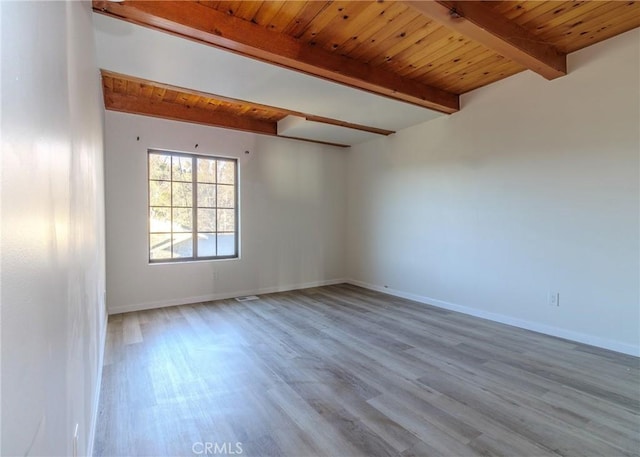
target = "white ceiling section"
x: 137, y: 51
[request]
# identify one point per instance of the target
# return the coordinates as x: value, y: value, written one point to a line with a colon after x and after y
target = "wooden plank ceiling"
x: 421, y: 52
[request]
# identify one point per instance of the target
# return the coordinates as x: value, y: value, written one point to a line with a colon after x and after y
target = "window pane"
x: 226, y: 172
x: 159, y: 166
x: 226, y: 196
x: 226, y: 244
x: 206, y: 244
x: 160, y: 246
x: 206, y: 220
x: 182, y: 219
x: 226, y: 220
x: 182, y: 194
x: 206, y: 170
x: 182, y: 245
x: 181, y: 215
x: 182, y: 168
x: 207, y: 195
x: 160, y: 193
x: 160, y: 219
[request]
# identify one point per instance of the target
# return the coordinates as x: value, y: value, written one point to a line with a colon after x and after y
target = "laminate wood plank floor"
x: 344, y: 371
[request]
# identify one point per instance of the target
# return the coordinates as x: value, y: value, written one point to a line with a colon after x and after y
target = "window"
x: 193, y: 207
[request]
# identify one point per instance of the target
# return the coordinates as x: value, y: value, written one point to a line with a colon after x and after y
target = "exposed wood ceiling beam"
x: 476, y: 21
x: 197, y: 22
x: 137, y: 105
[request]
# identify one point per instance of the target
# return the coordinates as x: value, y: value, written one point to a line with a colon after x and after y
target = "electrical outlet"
x: 216, y: 275
x: 554, y: 299
x: 75, y: 441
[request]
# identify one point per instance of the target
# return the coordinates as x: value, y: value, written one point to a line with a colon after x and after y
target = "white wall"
x: 531, y: 188
x: 292, y: 215
x: 52, y: 242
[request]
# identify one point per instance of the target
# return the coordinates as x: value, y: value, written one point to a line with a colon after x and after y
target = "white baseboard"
x: 219, y: 296
x: 96, y: 400
x: 509, y: 320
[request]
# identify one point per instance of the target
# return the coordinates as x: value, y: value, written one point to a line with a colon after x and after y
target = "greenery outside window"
x: 193, y: 207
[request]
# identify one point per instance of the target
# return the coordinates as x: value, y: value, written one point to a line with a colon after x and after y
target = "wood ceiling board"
x: 551, y: 17
x: 602, y: 33
x: 487, y: 64
x: 480, y: 23
x: 146, y: 91
x: 524, y: 10
x: 582, y: 30
x: 289, y: 14
x: 192, y: 20
x: 441, y: 61
x: 485, y: 60
x: 393, y: 27
x: 405, y: 47
x: 210, y: 3
x: 247, y: 10
x: 551, y: 21
x: 133, y: 89
x: 545, y: 17
x: 268, y: 14
x: 488, y: 69
x: 311, y: 9
x: 440, y: 43
x: 465, y: 81
x: 202, y: 103
x: 338, y: 18
x: 120, y: 86
x: 226, y: 6
x: 392, y: 13
x: 386, y: 41
x: 174, y: 111
x: 321, y: 20
x: 158, y: 93
x: 129, y: 49
x: 243, y: 9
x: 336, y: 39
x: 439, y: 46
x: 170, y: 96
x: 108, y: 83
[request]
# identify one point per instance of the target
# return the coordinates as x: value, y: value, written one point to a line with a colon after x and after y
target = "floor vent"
x: 248, y: 298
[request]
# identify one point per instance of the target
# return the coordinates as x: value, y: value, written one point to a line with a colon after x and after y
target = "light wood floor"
x: 343, y: 371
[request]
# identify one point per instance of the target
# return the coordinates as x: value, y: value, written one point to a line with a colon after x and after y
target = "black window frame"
x: 194, y: 207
